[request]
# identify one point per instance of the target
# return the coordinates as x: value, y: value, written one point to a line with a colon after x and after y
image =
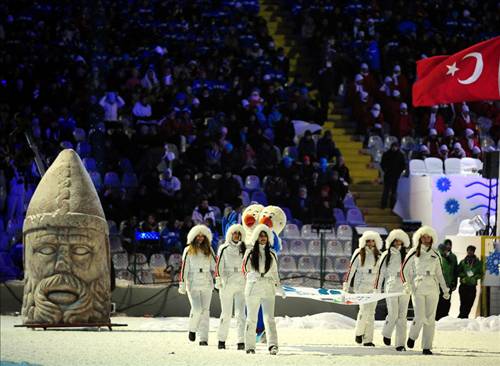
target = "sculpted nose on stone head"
x: 63, y: 260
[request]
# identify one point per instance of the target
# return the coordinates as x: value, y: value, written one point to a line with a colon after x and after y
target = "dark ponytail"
x: 243, y: 249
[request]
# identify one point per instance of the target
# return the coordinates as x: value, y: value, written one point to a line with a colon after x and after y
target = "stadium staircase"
x: 366, y: 186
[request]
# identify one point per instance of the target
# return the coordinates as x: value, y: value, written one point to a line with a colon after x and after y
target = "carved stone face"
x: 67, y: 276
x: 66, y: 249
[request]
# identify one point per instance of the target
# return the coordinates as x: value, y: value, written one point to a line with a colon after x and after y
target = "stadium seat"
x: 349, y: 201
x: 129, y: 180
x: 341, y: 264
x: 434, y: 166
x: 344, y: 232
x: 408, y: 143
x: 112, y: 227
x: 126, y: 166
x: 90, y: 164
x: 452, y: 166
x: 174, y: 261
x: 245, y: 198
x: 487, y: 141
x: 334, y: 247
x: 355, y: 217
x: 97, y: 180
x: 291, y: 151
x: 252, y: 183
x: 120, y: 261
x: 297, y: 247
x: 466, y: 229
x: 288, y: 213
x: 307, y: 264
x: 314, y: 247
x: 79, y: 134
x: 284, y: 247
x: 333, y: 277
x: 111, y: 180
x: 146, y: 276
x: 417, y: 167
x: 287, y: 263
x: 259, y: 197
x: 469, y: 166
x: 115, y: 244
x: 157, y: 260
x: 375, y: 142
x: 239, y: 179
x: 291, y: 231
x: 307, y: 232
x: 339, y: 216
x: 328, y: 264
x: 389, y: 140
x: 138, y: 261
x: 84, y: 149
x: 292, y: 278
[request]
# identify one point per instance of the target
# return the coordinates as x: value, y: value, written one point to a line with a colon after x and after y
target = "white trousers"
x: 366, y: 321
x: 227, y: 296
x: 425, y: 307
x: 199, y: 316
x: 397, y: 308
x: 253, y: 300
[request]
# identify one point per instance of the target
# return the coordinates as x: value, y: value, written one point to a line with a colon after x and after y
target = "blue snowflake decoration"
x: 443, y: 184
x: 452, y: 206
x: 493, y: 263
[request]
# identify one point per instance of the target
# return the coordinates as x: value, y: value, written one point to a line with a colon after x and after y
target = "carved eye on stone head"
x: 80, y: 250
x: 47, y: 250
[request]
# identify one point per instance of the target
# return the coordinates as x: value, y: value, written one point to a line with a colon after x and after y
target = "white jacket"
x: 363, y: 275
x: 228, y: 267
x: 390, y: 273
x: 423, y: 274
x: 197, y: 269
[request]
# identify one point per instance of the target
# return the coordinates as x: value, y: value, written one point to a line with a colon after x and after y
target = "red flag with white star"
x: 469, y: 75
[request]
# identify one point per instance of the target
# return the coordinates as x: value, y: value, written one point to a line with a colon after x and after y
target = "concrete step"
x: 370, y: 194
x: 366, y: 187
x: 368, y: 202
x: 382, y: 219
x: 353, y: 159
x: 336, y: 117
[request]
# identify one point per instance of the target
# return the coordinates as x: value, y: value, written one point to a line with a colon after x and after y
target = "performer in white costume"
x: 230, y: 281
x: 360, y: 279
x: 388, y: 275
x: 260, y: 266
x: 198, y: 264
x: 422, y: 275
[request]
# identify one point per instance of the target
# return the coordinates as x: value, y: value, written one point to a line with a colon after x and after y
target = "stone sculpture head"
x: 66, y: 249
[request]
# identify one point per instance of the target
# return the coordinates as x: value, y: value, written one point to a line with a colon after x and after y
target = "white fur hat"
x: 424, y: 230
x: 233, y: 229
x: 399, y: 235
x: 449, y: 132
x: 370, y: 235
x: 358, y: 77
x: 256, y: 232
x: 199, y: 229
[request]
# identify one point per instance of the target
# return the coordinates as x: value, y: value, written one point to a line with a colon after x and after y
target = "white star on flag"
x: 452, y: 69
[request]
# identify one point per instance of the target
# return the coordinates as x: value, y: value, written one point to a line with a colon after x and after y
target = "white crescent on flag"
x: 478, y: 69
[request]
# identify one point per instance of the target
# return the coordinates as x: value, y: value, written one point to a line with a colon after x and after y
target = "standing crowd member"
x: 230, y: 281
x: 470, y: 270
x: 198, y: 265
x: 260, y: 266
x: 450, y: 272
x: 360, y: 279
x: 388, y: 275
x: 392, y: 164
x: 422, y: 276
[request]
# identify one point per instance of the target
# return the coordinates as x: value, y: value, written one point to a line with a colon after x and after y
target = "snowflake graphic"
x: 452, y: 206
x: 493, y: 263
x: 443, y: 184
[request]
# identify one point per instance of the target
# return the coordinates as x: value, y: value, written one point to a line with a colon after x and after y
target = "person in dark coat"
x: 307, y: 146
x: 393, y: 164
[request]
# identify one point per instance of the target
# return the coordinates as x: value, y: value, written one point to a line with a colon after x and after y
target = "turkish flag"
x: 469, y: 75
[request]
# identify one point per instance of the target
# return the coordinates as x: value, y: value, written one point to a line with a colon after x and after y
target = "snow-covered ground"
x: 321, y: 339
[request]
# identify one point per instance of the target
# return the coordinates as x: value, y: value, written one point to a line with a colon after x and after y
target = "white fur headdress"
x: 425, y: 230
x: 233, y: 229
x: 256, y: 232
x: 199, y: 229
x: 370, y: 235
x: 397, y: 234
